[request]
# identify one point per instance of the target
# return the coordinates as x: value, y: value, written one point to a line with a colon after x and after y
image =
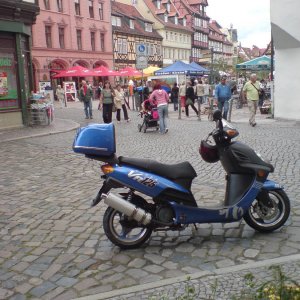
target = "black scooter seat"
x: 177, y: 171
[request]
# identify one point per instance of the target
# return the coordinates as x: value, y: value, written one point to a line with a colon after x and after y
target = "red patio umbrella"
x: 129, y: 71
x: 76, y: 71
x: 104, y: 71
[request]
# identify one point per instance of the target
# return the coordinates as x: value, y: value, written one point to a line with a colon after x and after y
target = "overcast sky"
x: 250, y: 18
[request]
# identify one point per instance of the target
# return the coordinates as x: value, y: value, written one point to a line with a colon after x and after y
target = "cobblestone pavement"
x: 52, y: 244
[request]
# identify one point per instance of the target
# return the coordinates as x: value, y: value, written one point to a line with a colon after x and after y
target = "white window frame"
x: 131, y: 24
x: 148, y: 27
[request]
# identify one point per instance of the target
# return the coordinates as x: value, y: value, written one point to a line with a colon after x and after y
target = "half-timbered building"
x: 130, y: 29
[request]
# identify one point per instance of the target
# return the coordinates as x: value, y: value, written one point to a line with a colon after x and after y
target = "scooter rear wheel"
x: 267, y: 219
x: 123, y: 231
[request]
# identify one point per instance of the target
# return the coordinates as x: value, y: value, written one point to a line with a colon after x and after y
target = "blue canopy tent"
x: 178, y: 68
x: 199, y: 68
x: 257, y: 64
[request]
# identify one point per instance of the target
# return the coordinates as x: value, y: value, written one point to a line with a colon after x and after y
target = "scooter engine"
x: 164, y: 214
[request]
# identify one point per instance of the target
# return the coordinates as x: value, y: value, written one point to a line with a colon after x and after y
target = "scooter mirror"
x: 217, y: 115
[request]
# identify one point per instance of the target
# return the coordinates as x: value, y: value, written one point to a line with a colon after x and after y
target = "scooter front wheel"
x: 269, y: 218
x: 123, y: 232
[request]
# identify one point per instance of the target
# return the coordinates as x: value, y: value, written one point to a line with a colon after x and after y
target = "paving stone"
x: 42, y: 289
x: 251, y: 253
x: 66, y: 281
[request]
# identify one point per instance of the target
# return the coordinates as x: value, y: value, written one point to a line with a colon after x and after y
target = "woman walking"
x: 106, y: 102
x: 182, y: 93
x: 119, y: 101
x: 161, y: 98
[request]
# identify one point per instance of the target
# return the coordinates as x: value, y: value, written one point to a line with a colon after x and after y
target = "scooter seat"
x: 177, y: 171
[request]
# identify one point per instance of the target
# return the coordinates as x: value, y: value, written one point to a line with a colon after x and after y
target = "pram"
x: 149, y: 114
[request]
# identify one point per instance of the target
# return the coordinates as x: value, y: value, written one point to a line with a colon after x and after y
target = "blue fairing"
x: 187, y: 214
x: 147, y: 183
x: 270, y: 185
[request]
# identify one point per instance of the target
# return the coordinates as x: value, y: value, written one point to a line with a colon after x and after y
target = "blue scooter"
x: 130, y: 219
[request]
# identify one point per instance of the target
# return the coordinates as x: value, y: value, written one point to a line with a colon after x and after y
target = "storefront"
x: 16, y: 19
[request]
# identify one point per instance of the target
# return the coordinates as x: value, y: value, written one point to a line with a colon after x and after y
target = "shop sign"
x: 5, y: 62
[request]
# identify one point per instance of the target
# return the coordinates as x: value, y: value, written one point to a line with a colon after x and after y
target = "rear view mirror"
x: 217, y: 115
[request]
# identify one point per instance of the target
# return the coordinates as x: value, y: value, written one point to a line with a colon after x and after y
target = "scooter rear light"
x: 106, y: 169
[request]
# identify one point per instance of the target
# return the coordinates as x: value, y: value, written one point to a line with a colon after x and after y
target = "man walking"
x: 85, y: 95
x: 223, y: 94
x: 251, y: 94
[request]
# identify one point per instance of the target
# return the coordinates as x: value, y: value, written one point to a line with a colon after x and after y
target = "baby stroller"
x: 149, y: 114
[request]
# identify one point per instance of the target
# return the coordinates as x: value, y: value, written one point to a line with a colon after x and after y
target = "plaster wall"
x: 285, y: 24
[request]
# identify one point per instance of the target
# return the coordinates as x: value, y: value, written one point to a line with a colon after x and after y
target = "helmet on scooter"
x: 209, y: 152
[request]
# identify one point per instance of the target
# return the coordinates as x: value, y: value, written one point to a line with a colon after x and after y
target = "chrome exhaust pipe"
x: 127, y: 208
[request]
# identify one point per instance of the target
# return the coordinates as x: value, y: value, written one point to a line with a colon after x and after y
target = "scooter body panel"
x: 147, y: 183
x: 187, y: 215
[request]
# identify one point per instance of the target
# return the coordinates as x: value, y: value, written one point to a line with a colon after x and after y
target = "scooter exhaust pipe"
x: 127, y: 208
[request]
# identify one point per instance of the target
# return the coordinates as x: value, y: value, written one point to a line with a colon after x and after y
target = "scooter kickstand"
x: 196, y: 228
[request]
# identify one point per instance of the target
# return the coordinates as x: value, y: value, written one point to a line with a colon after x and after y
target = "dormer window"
x: 116, y: 21
x: 166, y: 18
x: 168, y: 7
x: 158, y: 4
x: 176, y: 20
x: 184, y: 21
x: 148, y: 27
x: 131, y: 24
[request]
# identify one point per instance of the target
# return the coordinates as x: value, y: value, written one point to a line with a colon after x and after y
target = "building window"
x: 158, y: 4
x: 101, y: 11
x: 158, y: 49
x: 102, y: 41
x: 166, y: 18
x: 93, y: 44
x: 77, y: 7
x: 131, y: 24
x: 184, y: 21
x: 148, y: 27
x: 168, y: 7
x: 59, y: 6
x: 122, y: 46
x: 116, y: 21
x: 91, y: 9
x: 79, y: 40
x: 48, y: 36
x: 176, y: 20
x: 61, y: 37
x: 47, y: 4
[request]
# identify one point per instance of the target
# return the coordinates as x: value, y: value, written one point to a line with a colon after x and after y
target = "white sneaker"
x: 166, y: 130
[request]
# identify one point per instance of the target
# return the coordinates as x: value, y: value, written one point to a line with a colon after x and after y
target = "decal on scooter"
x: 236, y: 212
x: 141, y: 178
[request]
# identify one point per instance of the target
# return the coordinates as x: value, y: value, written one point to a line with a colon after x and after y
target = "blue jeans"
x: 88, y: 109
x: 223, y: 106
x: 163, y: 113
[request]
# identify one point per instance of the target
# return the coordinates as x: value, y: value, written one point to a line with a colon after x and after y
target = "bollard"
x: 230, y: 103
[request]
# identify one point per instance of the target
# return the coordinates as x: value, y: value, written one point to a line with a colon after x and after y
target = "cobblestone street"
x: 52, y: 244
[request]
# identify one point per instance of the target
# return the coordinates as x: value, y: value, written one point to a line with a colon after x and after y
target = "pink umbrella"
x: 76, y: 71
x: 103, y: 71
x: 129, y: 71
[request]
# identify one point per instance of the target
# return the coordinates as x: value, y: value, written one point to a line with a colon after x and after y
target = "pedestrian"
x: 85, y: 96
x: 206, y: 91
x: 99, y: 89
x: 251, y: 95
x: 60, y: 93
x: 106, y: 102
x: 223, y: 95
x: 119, y: 101
x: 161, y: 98
x: 182, y: 93
x: 262, y: 93
x: 190, y: 99
x: 174, y: 95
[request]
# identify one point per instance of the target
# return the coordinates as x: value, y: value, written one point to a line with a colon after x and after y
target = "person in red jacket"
x: 161, y: 98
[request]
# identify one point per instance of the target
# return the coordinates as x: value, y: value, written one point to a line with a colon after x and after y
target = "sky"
x: 250, y: 18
